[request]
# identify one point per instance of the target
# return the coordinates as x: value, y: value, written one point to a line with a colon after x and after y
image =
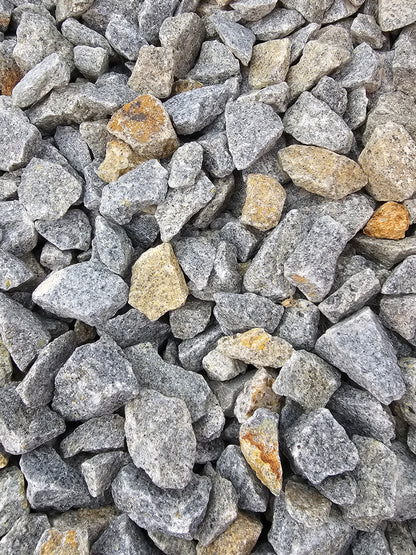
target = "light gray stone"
x: 397, y: 313
x: 363, y: 70
x: 192, y: 351
x: 91, y: 62
x: 402, y: 280
x: 24, y: 535
x: 356, y: 111
x: 216, y: 156
x: 237, y: 38
x: 364, y: 28
x: 340, y: 489
x: 18, y: 234
x: 71, y: 144
x: 299, y: 324
x: 220, y: 367
x: 185, y: 165
x: 151, y: 17
x: 277, y: 24
x: 305, y: 505
x: 153, y: 72
x: 253, y: 10
x: 112, y: 246
x: 53, y: 258
x: 215, y: 64
x: 387, y: 251
x: 71, y: 231
x: 100, y: 470
x: 124, y: 37
x: 13, y: 502
x: 390, y: 18
x: 13, y: 271
x: 211, y: 425
x: 120, y: 537
x: 311, y: 10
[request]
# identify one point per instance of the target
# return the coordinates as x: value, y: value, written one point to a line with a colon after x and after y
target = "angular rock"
x: 91, y: 62
x: 13, y: 501
x: 277, y: 24
x: 220, y: 367
x: 299, y: 324
x: 403, y: 63
x: 154, y: 71
x: 24, y: 535
x: 365, y: 69
x: 124, y: 37
x: 340, y: 489
x: 270, y: 63
x: 55, y: 541
x: 306, y: 505
x: 18, y: 234
x: 6, y: 367
x: 402, y: 280
x: 13, y: 271
x: 190, y: 320
x: 356, y: 110
x: 72, y: 231
x: 151, y: 17
x: 397, y: 313
x: 122, y: 536
x: 175, y: 512
x: 388, y: 252
x: 330, y: 92
x: 215, y: 64
x: 71, y: 144
x: 390, y: 221
x: 99, y: 471
x: 265, y: 198
x: 192, y: 351
x: 119, y: 159
x: 87, y: 291
x: 390, y: 18
x: 217, y: 158
x: 53, y: 258
x: 404, y: 505
x: 236, y: 37
x: 196, y: 256
x: 237, y: 235
x: 112, y: 246
x: 257, y: 393
x: 186, y: 164
x: 253, y: 10
x: 79, y: 34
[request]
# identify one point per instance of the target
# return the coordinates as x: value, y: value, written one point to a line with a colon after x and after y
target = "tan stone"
x: 318, y: 59
x: 389, y: 160
x: 269, y: 63
x: 157, y: 282
x: 3, y: 460
x: 6, y: 367
x: 257, y: 347
x: 259, y: 444
x: 322, y: 171
x: 265, y: 198
x: 145, y: 125
x: 93, y: 520
x: 70, y: 542
x: 119, y: 159
x: 306, y: 505
x: 257, y: 394
x: 238, y: 539
x: 390, y: 221
x: 185, y: 85
x: 154, y: 71
x: 395, y: 14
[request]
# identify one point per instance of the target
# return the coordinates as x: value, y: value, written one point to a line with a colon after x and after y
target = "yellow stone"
x: 3, y: 460
x: 157, y: 282
x: 256, y: 347
x: 70, y: 542
x: 259, y: 444
x: 119, y: 159
x: 145, y: 125
x: 269, y: 63
x: 322, y: 171
x: 238, y: 539
x: 265, y: 198
x: 185, y: 85
x: 390, y: 221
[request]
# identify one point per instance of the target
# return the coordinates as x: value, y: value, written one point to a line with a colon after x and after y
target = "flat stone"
x: 13, y: 271
x: 124, y: 37
x: 13, y: 501
x: 306, y: 505
x: 73, y: 147
x: 360, y: 347
x: 175, y: 512
x: 363, y: 70
x: 186, y: 164
x: 390, y: 221
x: 299, y: 323
x: 71, y: 231
x: 402, y: 279
x: 340, y: 489
x: 265, y: 199
x: 356, y: 110
x: 141, y: 187
x: 100, y: 470
x: 252, y: 494
x: 87, y: 291
x: 153, y: 72
x: 18, y: 234
x: 364, y: 28
x: 215, y: 64
x: 396, y: 313
x: 196, y: 256
x: 390, y: 18
x: 151, y: 17
x: 97, y: 434
x: 253, y: 128
x: 376, y: 476
x: 220, y: 367
x: 52, y: 484
x: 388, y: 252
x: 253, y: 10
x: 308, y: 380
x: 153, y: 372
x: 144, y: 124
x: 236, y: 37
x: 112, y: 246
x: 191, y: 319
x: 79, y: 34
x: 193, y: 110
x: 332, y: 93
x: 96, y: 380
x: 388, y: 161
x: 24, y: 534
x: 319, y: 447
x: 277, y: 24
x: 55, y: 541
x: 270, y: 63
x: 312, y: 122
x: 321, y: 171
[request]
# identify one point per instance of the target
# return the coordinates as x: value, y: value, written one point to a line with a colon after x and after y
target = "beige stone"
x: 257, y: 394
x: 185, y: 85
x: 6, y: 367
x: 70, y: 542
x: 157, y: 282
x: 318, y: 59
x: 322, y: 171
x: 265, y: 198
x: 238, y: 539
x: 119, y: 159
x: 389, y: 161
x: 3, y: 460
x: 256, y: 347
x: 154, y: 71
x: 269, y: 63
x: 306, y: 505
x: 390, y: 221
x: 145, y: 125
x: 395, y: 14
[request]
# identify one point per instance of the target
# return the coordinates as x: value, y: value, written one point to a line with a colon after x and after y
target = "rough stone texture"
x: 253, y: 10
x: 340, y: 489
x: 24, y: 535
x: 196, y: 256
x: 119, y: 159
x: 217, y: 158
x: 70, y: 541
x: 144, y: 124
x: 191, y: 319
x: 330, y: 92
x: 365, y: 69
x: 112, y: 246
x: 397, y: 313
x: 392, y: 15
x: 87, y: 291
x: 122, y: 536
x: 152, y: 15
x: 388, y: 252
x: 253, y: 128
x: 215, y: 64
x: 269, y: 64
x: 319, y: 447
x: 299, y: 324
x: 306, y: 505
x: 356, y: 110
x: 220, y: 367
x: 265, y: 198
x: 176, y: 512
x: 13, y: 502
x: 13, y: 272
x: 99, y: 471
x: 406, y: 405
x: 192, y: 351
x: 91, y: 62
x: 124, y: 37
x: 18, y: 233
x: 390, y: 221
x: 257, y: 393
x: 72, y: 231
x: 321, y: 171
x: 186, y: 163
x: 237, y: 235
x: 402, y: 280
x: 278, y: 24
x: 153, y: 72
x: 236, y: 37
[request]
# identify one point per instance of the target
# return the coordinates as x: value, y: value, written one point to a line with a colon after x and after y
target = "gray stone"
x: 359, y: 413
x: 52, y: 483
x: 124, y: 37
x: 305, y: 505
x: 253, y: 128
x: 360, y: 347
x: 277, y: 24
x: 253, y: 10
x: 120, y: 537
x: 400, y: 539
x: 52, y: 72
x: 237, y: 38
x: 81, y: 35
x: 13, y: 501
x: 8, y: 186
x: 215, y: 64
x: 390, y: 18
x: 160, y: 438
x: 91, y: 62
x: 404, y: 61
x: 71, y: 8
x: 299, y: 324
x: 53, y: 258
x: 311, y: 11
x: 186, y: 164
x: 252, y: 494
x: 341, y: 9
x: 98, y: 16
x: 207, y: 451
x: 407, y: 404
x: 87, y: 291
x: 151, y: 17
x: 24, y: 535
x: 340, y: 489
x: 364, y: 28
x: 96, y: 136
x: 21, y: 332
x: 112, y: 246
x: 411, y: 439
x: 71, y: 231
x: 404, y: 506
x: 142, y: 230
x: 331, y: 92
x: 175, y: 512
x: 181, y: 204
x: 397, y: 313
x: 13, y: 271
x: 312, y: 122
x: 223, y: 190
x: 356, y: 111
x: 363, y: 70
x: 78, y: 539
x: 319, y: 447
x: 50, y: 153
x: 299, y: 39
x: 376, y: 477
x: 308, y: 380
x: 211, y: 425
x: 311, y: 267
x: 387, y: 251
x: 96, y: 380
x: 192, y: 351
x: 348, y: 265
x: 193, y: 110
x: 170, y: 380
x: 220, y: 367
x: 216, y: 156
x: 100, y: 470
x: 71, y: 144
x: 36, y: 388
x: 191, y: 319
x: 91, y: 520
x: 276, y: 96
x: 6, y: 366
x: 402, y: 279
x: 144, y: 186
x: 172, y: 546
x: 97, y: 434
x: 196, y: 256
x: 265, y: 274
x: 235, y: 233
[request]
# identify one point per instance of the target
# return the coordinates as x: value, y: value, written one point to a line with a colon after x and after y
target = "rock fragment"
x: 333, y: 94
x: 91, y: 62
x: 13, y: 500
x: 270, y: 63
x: 55, y: 541
x: 100, y: 470
x: 220, y: 367
x: 216, y: 64
x: 24, y: 534
x: 71, y: 231
x: 390, y: 18
x: 277, y: 24
x: 124, y: 36
x: 112, y: 246
x: 265, y: 198
x: 191, y: 319
x: 390, y: 221
x: 153, y: 72
x: 186, y: 164
x: 402, y: 279
x: 122, y: 536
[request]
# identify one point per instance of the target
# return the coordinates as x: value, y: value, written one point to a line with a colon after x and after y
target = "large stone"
x: 236, y: 37
x: 393, y: 15
x: 153, y: 72
x: 321, y: 171
x: 215, y: 64
x: 390, y: 221
x: 24, y: 535
x: 13, y: 502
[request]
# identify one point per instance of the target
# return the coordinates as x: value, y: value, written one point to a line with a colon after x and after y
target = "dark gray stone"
x: 196, y: 256
x: 217, y: 158
x: 72, y: 231
x: 151, y: 17
x: 370, y: 543
x: 142, y: 230
x: 18, y: 234
x: 405, y: 505
x: 190, y: 319
x: 121, y: 537
x: 387, y: 251
x: 112, y: 246
x: 124, y: 37
x: 330, y: 92
x: 235, y: 233
x: 71, y: 145
x: 192, y: 351
x: 340, y: 489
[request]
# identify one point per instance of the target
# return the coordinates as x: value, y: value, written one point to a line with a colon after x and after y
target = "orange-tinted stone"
x: 145, y: 125
x: 3, y: 460
x: 265, y: 198
x: 71, y: 542
x: 9, y: 77
x: 257, y: 393
x: 238, y: 539
x: 390, y: 221
x: 185, y: 85
x: 119, y: 159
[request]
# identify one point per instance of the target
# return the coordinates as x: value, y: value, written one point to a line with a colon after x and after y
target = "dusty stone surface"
x: 269, y: 63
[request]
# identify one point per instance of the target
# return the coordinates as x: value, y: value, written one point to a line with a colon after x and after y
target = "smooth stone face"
x: 360, y: 347
x: 13, y: 500
x: 321, y: 171
x: 265, y: 199
x: 24, y: 534
x: 153, y: 72
x: 122, y: 536
x: 87, y: 291
x: 269, y: 64
x: 215, y: 64
x: 319, y: 447
x: 176, y: 512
